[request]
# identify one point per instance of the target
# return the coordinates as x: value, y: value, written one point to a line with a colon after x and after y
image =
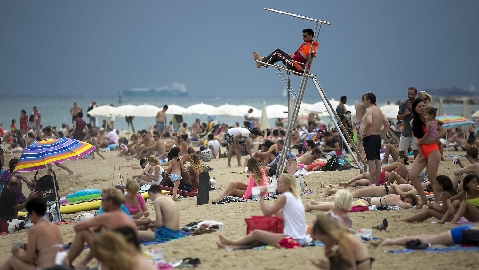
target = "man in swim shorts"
x: 111, y: 201
x: 167, y: 223
x: 161, y: 120
x: 371, y: 133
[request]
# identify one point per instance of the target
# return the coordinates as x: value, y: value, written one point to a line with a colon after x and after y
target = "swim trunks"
x: 160, y: 126
x: 229, y: 139
x: 456, y: 232
x: 174, y: 177
x: 372, y: 147
x: 164, y: 233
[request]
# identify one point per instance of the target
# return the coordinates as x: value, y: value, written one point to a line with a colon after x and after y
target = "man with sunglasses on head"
x: 9, y: 206
x: 295, y: 62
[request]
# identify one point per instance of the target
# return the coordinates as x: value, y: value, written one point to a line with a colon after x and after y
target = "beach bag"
x: 344, y: 164
x: 269, y: 224
x: 332, y: 164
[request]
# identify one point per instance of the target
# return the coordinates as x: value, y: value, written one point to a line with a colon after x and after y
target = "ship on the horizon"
x: 155, y: 92
x: 451, y: 92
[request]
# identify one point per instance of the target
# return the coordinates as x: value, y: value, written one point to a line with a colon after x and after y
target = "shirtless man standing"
x: 195, y: 129
x: 158, y: 148
x: 167, y: 222
x: 161, y: 121
x: 111, y: 200
x: 360, y: 111
x: 370, y: 133
x: 74, y: 111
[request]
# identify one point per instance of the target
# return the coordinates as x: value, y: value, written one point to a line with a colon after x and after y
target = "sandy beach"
x: 98, y: 173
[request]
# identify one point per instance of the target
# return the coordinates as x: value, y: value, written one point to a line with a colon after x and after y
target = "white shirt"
x: 112, y: 136
x: 160, y: 177
x: 216, y: 147
x: 294, y: 218
x: 236, y: 131
x: 246, y: 115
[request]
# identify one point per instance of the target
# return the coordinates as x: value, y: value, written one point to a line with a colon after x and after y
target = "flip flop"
x: 190, y: 262
x: 416, y: 244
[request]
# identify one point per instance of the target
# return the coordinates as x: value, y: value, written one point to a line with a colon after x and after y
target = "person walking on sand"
x: 370, y: 134
x: 405, y: 114
x: 295, y: 62
x: 161, y: 120
x: 74, y: 111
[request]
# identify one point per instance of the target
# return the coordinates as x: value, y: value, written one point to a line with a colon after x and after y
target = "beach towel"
x: 436, y: 249
x: 164, y: 240
x: 164, y: 233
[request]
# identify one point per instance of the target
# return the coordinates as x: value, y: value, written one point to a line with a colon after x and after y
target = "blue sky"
x: 101, y: 47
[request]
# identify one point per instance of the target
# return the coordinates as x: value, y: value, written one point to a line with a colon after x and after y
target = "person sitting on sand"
x: 351, y: 252
x: 435, y: 209
x: 469, y: 207
x: 154, y: 174
x: 157, y: 148
x: 472, y: 157
x: 471, y: 141
x: 235, y: 137
x: 379, y: 191
x: 44, y: 241
x: 175, y: 169
x: 257, y: 177
x: 295, y: 62
x: 146, y: 141
x: 194, y: 170
x: 288, y: 205
x: 114, y: 250
x: 338, y: 210
x: 111, y: 201
x: 9, y: 174
x: 94, y: 141
x: 396, y: 172
x: 167, y: 221
x: 309, y: 158
x: 135, y: 203
x: 273, y: 150
x: 447, y: 238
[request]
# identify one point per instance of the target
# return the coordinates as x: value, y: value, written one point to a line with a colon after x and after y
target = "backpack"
x: 332, y: 164
x: 31, y: 118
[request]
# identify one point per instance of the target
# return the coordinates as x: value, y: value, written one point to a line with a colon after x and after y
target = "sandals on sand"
x: 416, y: 244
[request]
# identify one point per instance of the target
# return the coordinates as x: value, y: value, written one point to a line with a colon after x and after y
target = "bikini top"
x: 473, y: 202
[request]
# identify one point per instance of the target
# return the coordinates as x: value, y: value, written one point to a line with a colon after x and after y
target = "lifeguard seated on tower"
x: 296, y: 61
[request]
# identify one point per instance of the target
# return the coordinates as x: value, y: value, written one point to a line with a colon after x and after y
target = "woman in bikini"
x: 463, y: 146
x: 435, y: 210
x: 44, y: 242
x: 257, y: 177
x: 404, y: 201
x: 378, y: 191
x: 175, y: 169
x: 152, y: 174
x: 429, y: 155
x: 135, y: 203
x: 343, y: 249
x: 472, y: 157
x: 194, y: 170
x: 469, y: 207
x: 394, y: 172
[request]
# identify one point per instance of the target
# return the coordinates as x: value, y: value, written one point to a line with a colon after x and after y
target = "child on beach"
x: 175, y: 169
x: 12, y: 125
x: 431, y: 123
x: 469, y: 207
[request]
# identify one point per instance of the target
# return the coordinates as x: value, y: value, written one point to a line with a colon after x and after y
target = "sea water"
x: 55, y: 110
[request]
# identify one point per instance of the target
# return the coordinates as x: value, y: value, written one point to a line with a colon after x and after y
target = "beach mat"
x: 437, y: 249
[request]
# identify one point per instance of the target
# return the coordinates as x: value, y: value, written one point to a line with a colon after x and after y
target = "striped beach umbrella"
x: 41, y: 153
x: 453, y: 121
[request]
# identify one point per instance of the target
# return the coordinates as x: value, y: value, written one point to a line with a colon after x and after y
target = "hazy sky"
x: 102, y: 47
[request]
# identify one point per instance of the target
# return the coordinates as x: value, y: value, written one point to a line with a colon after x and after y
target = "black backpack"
x: 332, y: 164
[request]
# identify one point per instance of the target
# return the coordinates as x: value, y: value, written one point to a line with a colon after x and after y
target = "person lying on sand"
x: 396, y: 172
x: 167, y: 222
x: 338, y: 210
x: 289, y: 205
x: 404, y: 201
x: 378, y: 191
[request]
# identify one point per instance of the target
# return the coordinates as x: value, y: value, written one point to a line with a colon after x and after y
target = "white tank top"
x: 160, y: 176
x: 294, y: 217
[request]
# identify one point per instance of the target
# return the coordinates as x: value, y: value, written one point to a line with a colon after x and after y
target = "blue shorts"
x: 174, y: 177
x: 160, y: 126
x: 456, y: 232
x: 167, y: 233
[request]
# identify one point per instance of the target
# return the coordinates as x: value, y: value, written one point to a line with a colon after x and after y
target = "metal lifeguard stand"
x: 294, y: 100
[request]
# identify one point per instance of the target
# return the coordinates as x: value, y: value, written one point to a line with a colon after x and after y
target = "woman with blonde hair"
x: 257, y: 177
x: 338, y: 210
x: 289, y: 205
x: 135, y: 203
x: 343, y: 249
x: 154, y: 175
x: 114, y: 250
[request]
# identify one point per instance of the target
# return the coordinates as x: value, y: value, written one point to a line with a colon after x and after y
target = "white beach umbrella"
x: 229, y: 110
x: 440, y: 109
x: 244, y: 108
x: 200, y: 109
x: 104, y: 110
x: 319, y: 107
x: 264, y: 122
x: 387, y: 109
x: 145, y: 111
x: 175, y: 109
x: 123, y: 110
x: 392, y: 115
x: 475, y: 115
x: 277, y: 111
